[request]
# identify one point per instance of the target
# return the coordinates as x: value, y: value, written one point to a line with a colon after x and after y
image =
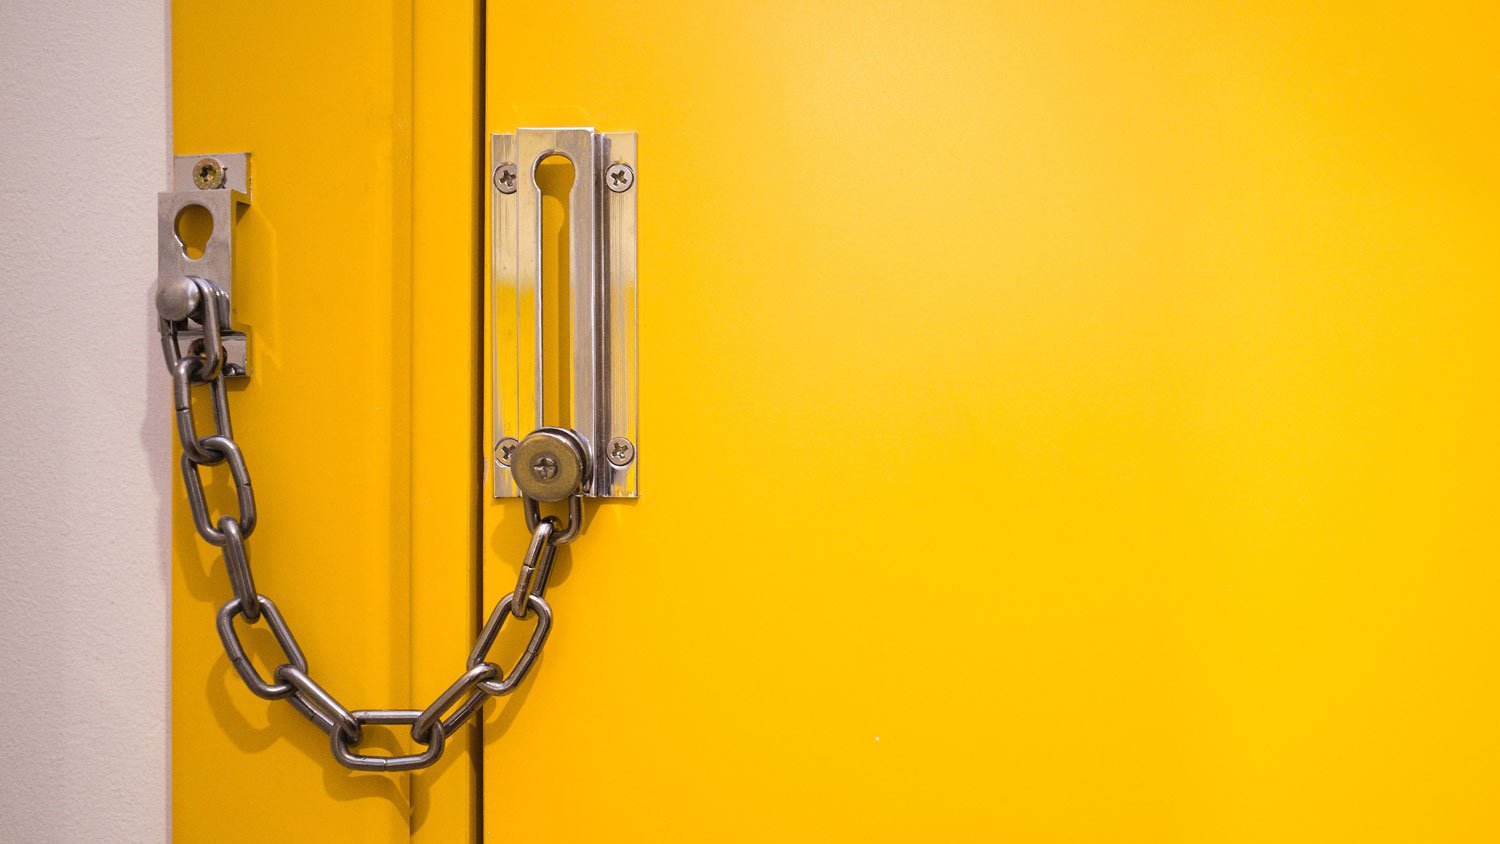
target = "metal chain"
x: 290, y: 681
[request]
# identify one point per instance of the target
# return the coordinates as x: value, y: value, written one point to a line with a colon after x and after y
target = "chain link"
x: 536, y: 568
x: 290, y: 681
x: 226, y: 449
x: 533, y: 511
x: 184, y: 372
x: 237, y: 560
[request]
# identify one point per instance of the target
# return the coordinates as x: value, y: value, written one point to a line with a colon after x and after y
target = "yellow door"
x: 1059, y: 422
x: 357, y: 280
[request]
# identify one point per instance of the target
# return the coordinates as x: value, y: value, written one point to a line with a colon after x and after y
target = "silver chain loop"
x: 533, y: 510
x: 400, y: 717
x: 491, y: 629
x: 198, y: 502
x: 183, y: 373
x: 536, y: 568
x: 465, y: 684
x: 290, y: 681
x: 236, y: 651
x: 237, y: 560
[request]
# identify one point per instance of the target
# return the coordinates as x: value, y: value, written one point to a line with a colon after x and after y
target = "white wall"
x: 84, y: 423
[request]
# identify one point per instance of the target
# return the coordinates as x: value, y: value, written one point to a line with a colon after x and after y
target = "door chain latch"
x: 594, y: 454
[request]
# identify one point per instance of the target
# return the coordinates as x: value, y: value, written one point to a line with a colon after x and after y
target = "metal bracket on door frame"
x: 219, y: 184
x: 602, y: 298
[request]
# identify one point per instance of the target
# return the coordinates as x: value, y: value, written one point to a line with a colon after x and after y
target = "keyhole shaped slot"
x: 554, y: 178
x: 194, y: 226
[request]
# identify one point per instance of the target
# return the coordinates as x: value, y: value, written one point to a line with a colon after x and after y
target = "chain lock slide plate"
x: 218, y: 183
x: 601, y: 300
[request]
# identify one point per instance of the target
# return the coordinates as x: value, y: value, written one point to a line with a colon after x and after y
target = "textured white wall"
x: 84, y: 436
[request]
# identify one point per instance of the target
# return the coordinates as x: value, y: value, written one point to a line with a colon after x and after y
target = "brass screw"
x: 208, y: 174
x: 544, y: 467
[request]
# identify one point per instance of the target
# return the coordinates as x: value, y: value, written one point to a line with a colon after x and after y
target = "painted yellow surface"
x: 447, y: 189
x: 1061, y: 422
x: 357, y: 280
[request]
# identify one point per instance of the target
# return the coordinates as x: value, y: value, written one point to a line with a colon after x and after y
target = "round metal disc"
x: 547, y: 465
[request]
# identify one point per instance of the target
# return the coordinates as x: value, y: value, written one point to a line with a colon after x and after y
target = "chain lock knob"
x: 177, y: 298
x: 549, y: 465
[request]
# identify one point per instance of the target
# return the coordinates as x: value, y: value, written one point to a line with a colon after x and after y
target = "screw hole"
x: 194, y: 226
